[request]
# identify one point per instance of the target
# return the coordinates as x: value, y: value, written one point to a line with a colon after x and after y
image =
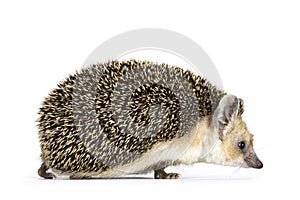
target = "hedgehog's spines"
x: 86, y: 132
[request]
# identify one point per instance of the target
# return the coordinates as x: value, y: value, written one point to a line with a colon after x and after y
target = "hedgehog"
x: 128, y: 117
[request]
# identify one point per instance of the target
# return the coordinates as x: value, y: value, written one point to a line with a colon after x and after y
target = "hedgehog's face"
x: 237, y: 145
x: 236, y: 142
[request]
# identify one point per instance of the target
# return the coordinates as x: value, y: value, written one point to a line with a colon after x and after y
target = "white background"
x: 254, y: 44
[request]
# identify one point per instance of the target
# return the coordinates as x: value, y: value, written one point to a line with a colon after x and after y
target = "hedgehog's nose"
x: 260, y: 165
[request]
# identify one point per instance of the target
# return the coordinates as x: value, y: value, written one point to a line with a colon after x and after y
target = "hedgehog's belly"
x: 160, y: 156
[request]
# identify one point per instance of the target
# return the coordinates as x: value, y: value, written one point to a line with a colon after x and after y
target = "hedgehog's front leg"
x: 161, y: 174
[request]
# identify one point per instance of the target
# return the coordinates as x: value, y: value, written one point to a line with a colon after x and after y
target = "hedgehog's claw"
x: 42, y: 171
x: 161, y: 174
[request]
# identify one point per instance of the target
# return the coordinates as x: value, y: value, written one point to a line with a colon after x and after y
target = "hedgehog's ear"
x: 225, y: 113
x: 241, y: 106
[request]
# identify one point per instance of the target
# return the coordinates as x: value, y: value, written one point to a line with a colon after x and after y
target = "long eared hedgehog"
x: 133, y: 117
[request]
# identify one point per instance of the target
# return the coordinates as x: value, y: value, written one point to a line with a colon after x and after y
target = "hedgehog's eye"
x: 241, y: 145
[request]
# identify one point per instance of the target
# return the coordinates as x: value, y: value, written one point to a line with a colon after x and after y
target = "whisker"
x: 236, y: 170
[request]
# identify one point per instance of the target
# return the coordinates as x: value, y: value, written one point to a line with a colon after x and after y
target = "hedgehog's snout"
x: 253, y: 161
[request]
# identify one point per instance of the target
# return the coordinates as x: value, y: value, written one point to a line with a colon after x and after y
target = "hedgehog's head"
x: 235, y: 144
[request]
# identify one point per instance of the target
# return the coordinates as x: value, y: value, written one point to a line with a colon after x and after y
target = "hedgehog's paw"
x: 172, y: 176
x: 42, y: 171
x: 161, y: 174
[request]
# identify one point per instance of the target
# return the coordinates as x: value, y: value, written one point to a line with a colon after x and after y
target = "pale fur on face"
x: 209, y: 148
x: 226, y: 151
